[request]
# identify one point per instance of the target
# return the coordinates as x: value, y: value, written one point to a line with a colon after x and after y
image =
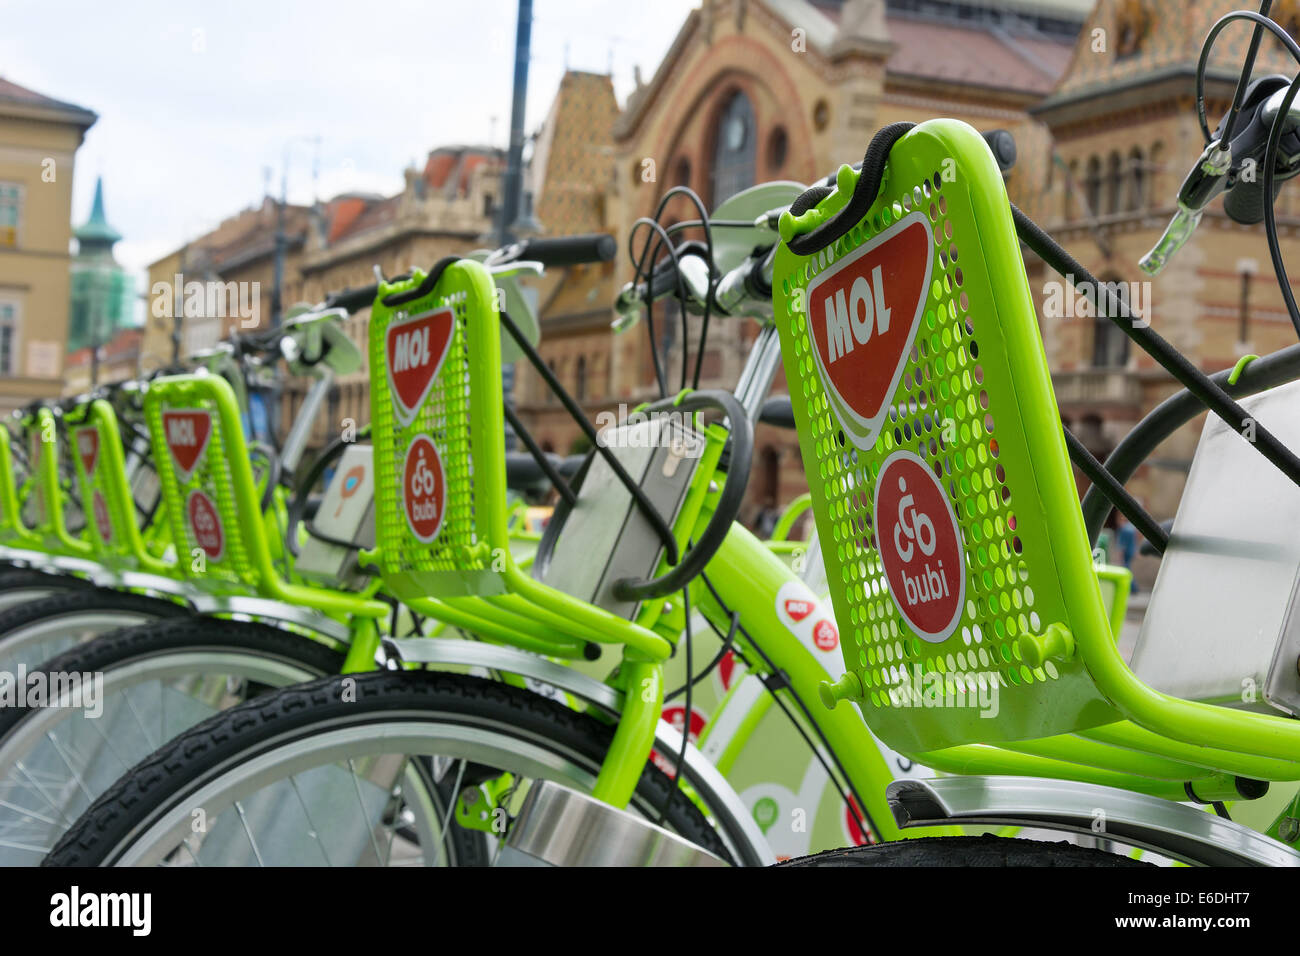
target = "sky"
x: 197, y: 100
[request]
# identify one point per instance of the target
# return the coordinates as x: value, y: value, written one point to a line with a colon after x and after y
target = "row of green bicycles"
x: 216, y: 652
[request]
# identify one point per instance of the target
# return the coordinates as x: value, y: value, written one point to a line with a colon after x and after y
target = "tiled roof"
x: 976, y: 54
x: 14, y: 93
x: 1167, y: 37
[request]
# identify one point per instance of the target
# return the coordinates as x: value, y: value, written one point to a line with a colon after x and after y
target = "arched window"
x: 735, y: 147
x: 1092, y: 187
x: 1114, y: 183
x: 1137, y: 181
x: 1155, y: 166
x: 1109, y: 342
x: 1071, y: 184
x: 580, y: 387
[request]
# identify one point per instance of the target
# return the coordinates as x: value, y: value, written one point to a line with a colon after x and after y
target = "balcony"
x: 1095, y: 387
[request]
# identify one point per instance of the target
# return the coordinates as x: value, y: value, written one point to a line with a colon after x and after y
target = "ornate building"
x: 39, y: 138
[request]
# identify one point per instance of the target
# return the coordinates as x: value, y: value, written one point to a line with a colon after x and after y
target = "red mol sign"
x: 186, y: 431
x: 103, y: 523
x: 424, y: 489
x: 863, y: 314
x: 205, y: 523
x: 920, y: 546
x: 88, y: 448
x: 415, y: 349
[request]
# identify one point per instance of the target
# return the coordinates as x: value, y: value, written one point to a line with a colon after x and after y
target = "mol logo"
x: 415, y: 349
x: 920, y: 546
x: 186, y: 431
x: 863, y: 313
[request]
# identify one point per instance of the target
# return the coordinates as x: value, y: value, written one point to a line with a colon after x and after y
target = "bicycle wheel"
x: 126, y: 694
x: 20, y: 585
x: 986, y: 850
x: 35, y: 631
x: 310, y: 774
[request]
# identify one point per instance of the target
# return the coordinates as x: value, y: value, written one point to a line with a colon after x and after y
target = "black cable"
x: 1270, y: 213
x: 634, y: 488
x: 1247, y: 68
x: 727, y: 641
x: 524, y: 435
x: 638, y: 273
x: 1208, y: 45
x: 1180, y: 408
x: 1128, y: 506
x: 856, y: 805
x: 1174, y: 362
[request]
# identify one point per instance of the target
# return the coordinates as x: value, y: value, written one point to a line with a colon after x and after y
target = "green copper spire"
x: 97, y: 231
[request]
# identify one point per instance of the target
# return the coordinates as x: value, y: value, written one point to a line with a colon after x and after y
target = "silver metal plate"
x: 1227, y: 581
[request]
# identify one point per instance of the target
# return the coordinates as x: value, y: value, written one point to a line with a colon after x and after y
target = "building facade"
x: 39, y: 138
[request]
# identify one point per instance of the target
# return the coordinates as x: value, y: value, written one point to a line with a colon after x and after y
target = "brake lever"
x: 1207, y: 179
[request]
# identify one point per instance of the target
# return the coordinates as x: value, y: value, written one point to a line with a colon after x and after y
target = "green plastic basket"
x: 111, y: 518
x: 441, y: 527
x: 944, y: 499
x: 212, y: 500
x: 13, y: 531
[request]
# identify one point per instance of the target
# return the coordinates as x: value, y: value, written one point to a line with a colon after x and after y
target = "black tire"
x: 81, y: 601
x: 986, y: 850
x: 156, y: 641
x: 13, y: 578
x: 188, y: 632
x: 295, y: 713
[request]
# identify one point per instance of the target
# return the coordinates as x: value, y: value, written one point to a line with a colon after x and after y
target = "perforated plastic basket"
x: 196, y: 434
x: 941, y: 486
x: 429, y: 434
x: 96, y: 445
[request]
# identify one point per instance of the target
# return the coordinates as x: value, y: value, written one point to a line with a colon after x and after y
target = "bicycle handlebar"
x: 563, y: 250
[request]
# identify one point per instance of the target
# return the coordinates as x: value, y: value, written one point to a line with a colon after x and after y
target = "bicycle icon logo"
x: 423, y: 489
x: 920, y: 546
x: 916, y: 525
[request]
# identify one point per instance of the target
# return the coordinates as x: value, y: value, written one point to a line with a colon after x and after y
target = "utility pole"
x: 512, y: 201
x: 514, y: 182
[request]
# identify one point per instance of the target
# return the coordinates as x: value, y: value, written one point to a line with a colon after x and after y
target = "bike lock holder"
x: 1175, y: 830
x: 557, y: 826
x: 736, y: 825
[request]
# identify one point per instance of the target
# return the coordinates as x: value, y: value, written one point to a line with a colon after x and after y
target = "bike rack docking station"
x: 1175, y: 830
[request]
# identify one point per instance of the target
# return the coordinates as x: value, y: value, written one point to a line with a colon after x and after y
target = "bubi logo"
x: 187, y: 431
x: 416, y: 348
x: 352, y: 482
x: 920, y: 546
x: 423, y: 489
x: 863, y: 313
x: 88, y: 448
x: 205, y: 523
x: 826, y: 636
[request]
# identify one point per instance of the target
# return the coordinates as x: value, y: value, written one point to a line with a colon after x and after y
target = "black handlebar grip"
x: 1244, y: 202
x: 777, y: 411
x: 1003, y: 145
x: 354, y: 300
x: 569, y: 250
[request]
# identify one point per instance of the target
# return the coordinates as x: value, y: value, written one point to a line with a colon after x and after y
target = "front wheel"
x: 330, y: 773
